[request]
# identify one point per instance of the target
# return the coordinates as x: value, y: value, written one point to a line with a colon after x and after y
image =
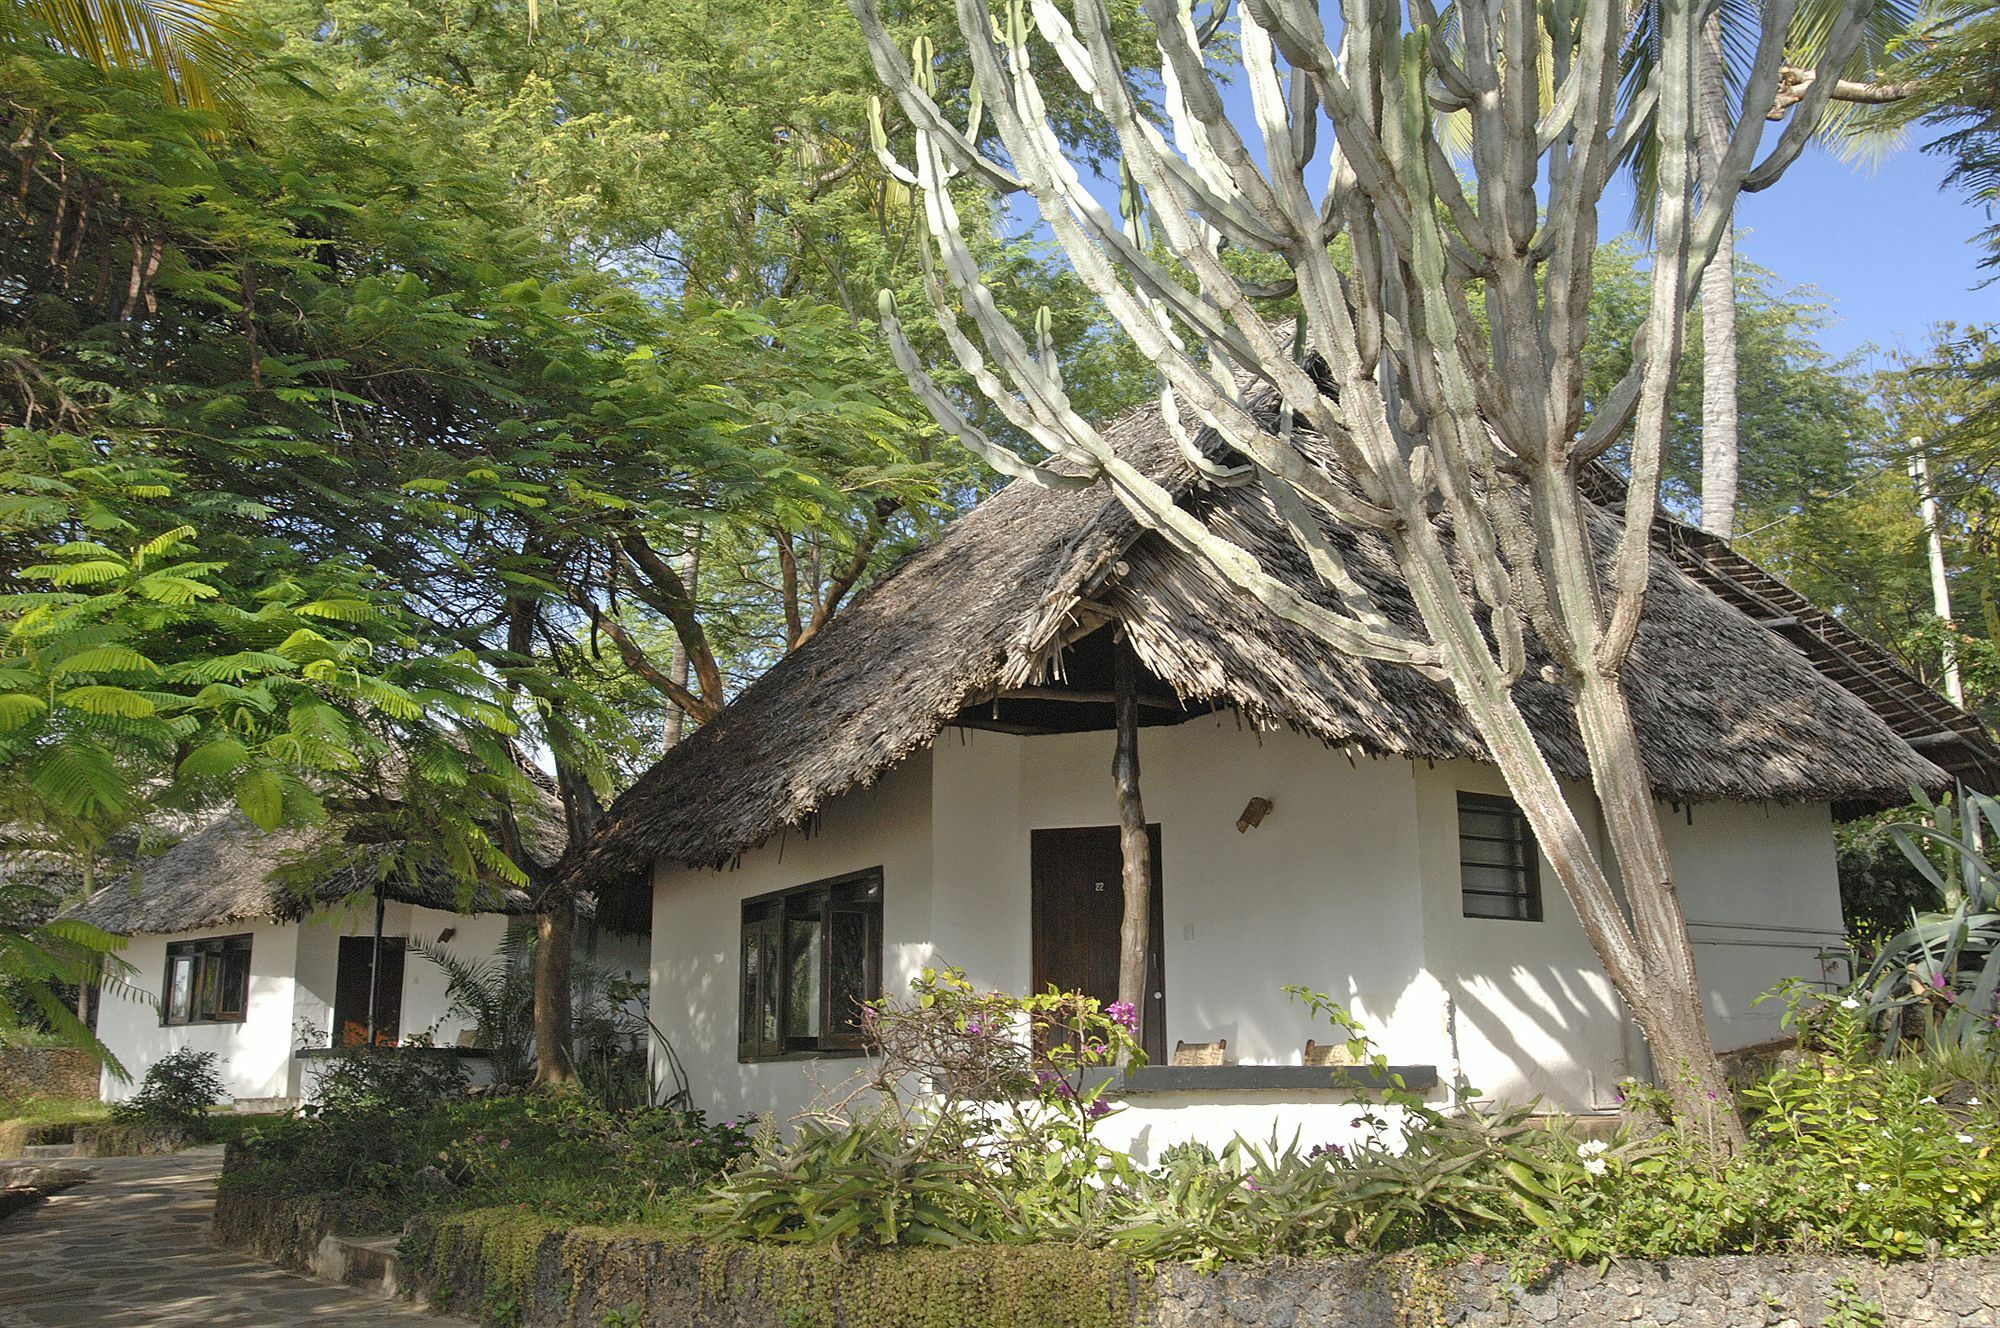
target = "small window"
x: 1498, y: 866
x: 809, y: 959
x: 207, y: 981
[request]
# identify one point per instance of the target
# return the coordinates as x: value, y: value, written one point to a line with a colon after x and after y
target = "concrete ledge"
x: 1332, y: 1080
x: 370, y: 1263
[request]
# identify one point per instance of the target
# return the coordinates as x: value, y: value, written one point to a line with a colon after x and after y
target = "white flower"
x: 1965, y: 1139
x: 1850, y: 1004
x: 1592, y: 1148
x: 1596, y: 1166
x: 1863, y: 1186
x: 1972, y: 1102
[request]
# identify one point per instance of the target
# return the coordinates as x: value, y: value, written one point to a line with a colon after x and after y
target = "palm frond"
x: 195, y: 48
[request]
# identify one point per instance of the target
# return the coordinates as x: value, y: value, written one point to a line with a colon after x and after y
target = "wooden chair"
x: 1201, y: 1053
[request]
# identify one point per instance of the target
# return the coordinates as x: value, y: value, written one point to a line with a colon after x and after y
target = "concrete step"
x: 48, y: 1150
x: 370, y: 1263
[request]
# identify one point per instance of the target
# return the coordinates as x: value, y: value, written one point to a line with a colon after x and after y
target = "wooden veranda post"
x: 1135, y: 846
x: 375, y: 961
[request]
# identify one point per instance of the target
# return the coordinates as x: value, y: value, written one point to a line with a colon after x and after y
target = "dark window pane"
x: 802, y: 971
x: 208, y: 984
x: 752, y: 984
x: 235, y: 995
x: 1491, y: 824
x: 767, y: 1018
x: 850, y: 985
x: 1477, y: 851
x: 1498, y: 868
x: 1493, y: 906
x: 809, y: 957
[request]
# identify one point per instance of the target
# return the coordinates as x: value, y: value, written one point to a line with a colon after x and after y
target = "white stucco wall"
x: 1350, y: 886
x: 1531, y: 1012
x: 1310, y: 897
x: 292, y: 976
x: 697, y: 921
x: 1757, y: 883
x: 253, y: 1057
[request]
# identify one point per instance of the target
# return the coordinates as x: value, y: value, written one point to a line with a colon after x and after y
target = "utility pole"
x: 1920, y: 475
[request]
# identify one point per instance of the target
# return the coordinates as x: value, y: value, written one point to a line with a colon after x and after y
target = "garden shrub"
x: 1849, y: 1152
x: 174, y: 1098
x: 996, y: 1142
x: 362, y: 1077
x: 563, y: 1153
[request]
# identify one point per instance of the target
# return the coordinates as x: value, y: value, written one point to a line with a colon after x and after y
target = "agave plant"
x: 1941, y: 972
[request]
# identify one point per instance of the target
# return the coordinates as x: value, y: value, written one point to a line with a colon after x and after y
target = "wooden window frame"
x: 221, y: 1001
x: 1528, y: 872
x: 763, y: 924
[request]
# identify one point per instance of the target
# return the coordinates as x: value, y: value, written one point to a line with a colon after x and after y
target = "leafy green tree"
x: 1805, y: 413
x: 720, y: 155
x: 1859, y: 548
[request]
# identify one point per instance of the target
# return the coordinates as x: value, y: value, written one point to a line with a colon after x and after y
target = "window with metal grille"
x: 207, y: 981
x: 810, y: 958
x: 1499, y: 873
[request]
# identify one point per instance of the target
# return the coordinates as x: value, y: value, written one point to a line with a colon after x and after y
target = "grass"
x: 54, y: 1110
x: 39, y: 1120
x: 34, y: 1120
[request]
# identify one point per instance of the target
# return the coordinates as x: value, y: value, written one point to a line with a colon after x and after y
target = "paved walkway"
x: 131, y: 1248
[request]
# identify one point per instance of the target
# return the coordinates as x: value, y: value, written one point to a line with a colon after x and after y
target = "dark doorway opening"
x: 1078, y: 906
x: 350, y: 992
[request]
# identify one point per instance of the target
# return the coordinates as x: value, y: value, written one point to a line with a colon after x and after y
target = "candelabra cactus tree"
x: 1421, y: 350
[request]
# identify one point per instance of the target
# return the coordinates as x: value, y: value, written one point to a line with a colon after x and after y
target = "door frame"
x: 386, y: 1034
x: 1043, y: 846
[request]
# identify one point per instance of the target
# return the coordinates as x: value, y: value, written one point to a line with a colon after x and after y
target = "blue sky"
x: 1884, y: 244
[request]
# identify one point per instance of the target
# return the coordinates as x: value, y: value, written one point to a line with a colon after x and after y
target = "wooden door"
x: 350, y: 992
x: 1078, y: 907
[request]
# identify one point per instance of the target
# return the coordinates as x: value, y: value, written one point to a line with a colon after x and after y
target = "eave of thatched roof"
x: 228, y: 871
x: 1727, y: 707
x: 1949, y: 736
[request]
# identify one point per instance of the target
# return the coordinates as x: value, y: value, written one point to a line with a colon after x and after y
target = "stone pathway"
x: 131, y: 1248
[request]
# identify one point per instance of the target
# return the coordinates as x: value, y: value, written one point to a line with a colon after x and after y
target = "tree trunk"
x: 555, y: 939
x: 1673, y: 1014
x: 1646, y: 955
x: 1719, y: 448
x: 1135, y: 942
x: 678, y: 662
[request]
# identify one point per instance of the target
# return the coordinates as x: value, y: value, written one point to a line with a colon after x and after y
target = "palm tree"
x: 194, y: 47
x: 1729, y: 45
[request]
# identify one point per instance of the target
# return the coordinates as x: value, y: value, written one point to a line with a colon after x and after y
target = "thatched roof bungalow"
x: 229, y: 871
x: 245, y: 951
x: 928, y: 778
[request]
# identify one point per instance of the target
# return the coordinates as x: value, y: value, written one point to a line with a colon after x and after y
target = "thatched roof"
x: 230, y: 871
x: 1728, y: 708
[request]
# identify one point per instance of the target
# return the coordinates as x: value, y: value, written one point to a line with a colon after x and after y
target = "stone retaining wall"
x: 60, y: 1072
x: 287, y: 1229
x: 561, y: 1279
